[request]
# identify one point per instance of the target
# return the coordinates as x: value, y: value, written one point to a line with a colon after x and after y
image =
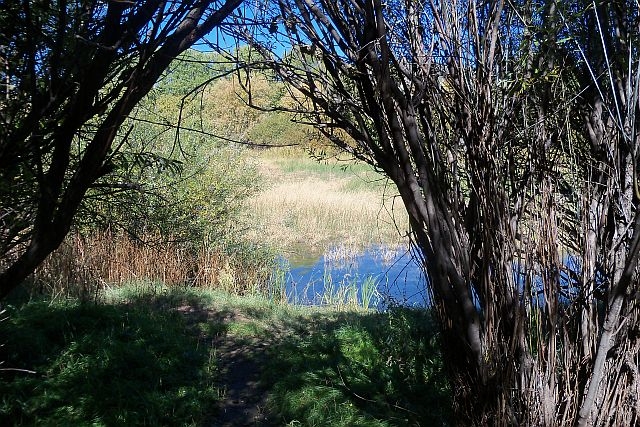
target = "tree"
x: 73, y: 71
x: 508, y: 130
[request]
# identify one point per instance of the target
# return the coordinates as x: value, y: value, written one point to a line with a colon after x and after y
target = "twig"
x: 26, y: 371
x: 369, y: 400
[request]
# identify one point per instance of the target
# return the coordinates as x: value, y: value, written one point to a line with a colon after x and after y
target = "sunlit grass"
x: 308, y: 205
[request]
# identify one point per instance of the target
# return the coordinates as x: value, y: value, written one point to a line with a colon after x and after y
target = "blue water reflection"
x: 336, y: 277
x: 397, y: 276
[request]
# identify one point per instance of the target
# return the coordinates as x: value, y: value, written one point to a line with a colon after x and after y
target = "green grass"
x: 145, y: 356
x: 357, y: 176
x: 350, y: 369
x: 113, y: 365
x: 333, y: 167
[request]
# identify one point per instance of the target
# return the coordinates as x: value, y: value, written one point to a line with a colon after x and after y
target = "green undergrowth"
x: 145, y: 355
x: 119, y: 364
x: 356, y: 369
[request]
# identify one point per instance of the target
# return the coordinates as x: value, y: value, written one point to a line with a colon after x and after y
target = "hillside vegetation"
x: 219, y: 196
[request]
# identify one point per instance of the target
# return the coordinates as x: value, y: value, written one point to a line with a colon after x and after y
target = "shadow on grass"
x: 120, y: 364
x: 148, y: 359
x: 353, y: 369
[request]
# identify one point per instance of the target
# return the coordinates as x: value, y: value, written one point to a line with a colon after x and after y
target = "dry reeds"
x: 82, y: 266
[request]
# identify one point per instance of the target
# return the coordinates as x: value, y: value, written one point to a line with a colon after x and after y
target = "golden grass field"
x: 310, y: 206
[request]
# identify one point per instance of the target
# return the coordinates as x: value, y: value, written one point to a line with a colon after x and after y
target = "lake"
x: 376, y: 277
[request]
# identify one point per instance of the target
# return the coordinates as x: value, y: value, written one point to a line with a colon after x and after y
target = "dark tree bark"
x: 75, y: 71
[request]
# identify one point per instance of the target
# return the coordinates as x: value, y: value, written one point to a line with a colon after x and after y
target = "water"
x: 377, y: 277
x: 380, y: 276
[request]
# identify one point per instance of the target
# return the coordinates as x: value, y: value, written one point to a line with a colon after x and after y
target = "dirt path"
x: 240, y: 361
x: 245, y: 398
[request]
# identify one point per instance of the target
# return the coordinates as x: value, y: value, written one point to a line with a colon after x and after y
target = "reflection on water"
x: 377, y: 277
x: 380, y: 276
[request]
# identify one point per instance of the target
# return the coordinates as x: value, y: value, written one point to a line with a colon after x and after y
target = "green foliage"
x: 191, y: 70
x: 189, y: 190
x: 112, y: 365
x: 369, y: 292
x: 362, y: 370
x: 277, y: 128
x: 177, y: 175
x: 171, y: 176
x: 206, y: 200
x: 251, y: 267
x: 412, y: 339
x: 73, y: 74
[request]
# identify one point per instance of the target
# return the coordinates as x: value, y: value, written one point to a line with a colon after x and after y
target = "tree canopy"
x: 73, y: 71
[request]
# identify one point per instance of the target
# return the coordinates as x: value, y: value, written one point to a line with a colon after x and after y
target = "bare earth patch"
x: 240, y: 361
x: 245, y: 398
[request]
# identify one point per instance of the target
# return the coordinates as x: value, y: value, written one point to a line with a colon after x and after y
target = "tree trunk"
x: 525, y: 218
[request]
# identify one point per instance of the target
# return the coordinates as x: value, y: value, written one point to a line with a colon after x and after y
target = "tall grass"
x: 277, y: 288
x: 352, y: 292
x: 84, y: 265
x: 308, y: 205
x: 317, y: 213
x: 369, y: 292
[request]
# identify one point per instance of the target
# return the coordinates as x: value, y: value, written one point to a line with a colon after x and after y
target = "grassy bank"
x: 117, y: 364
x: 151, y: 354
x: 148, y: 355
x: 307, y: 205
